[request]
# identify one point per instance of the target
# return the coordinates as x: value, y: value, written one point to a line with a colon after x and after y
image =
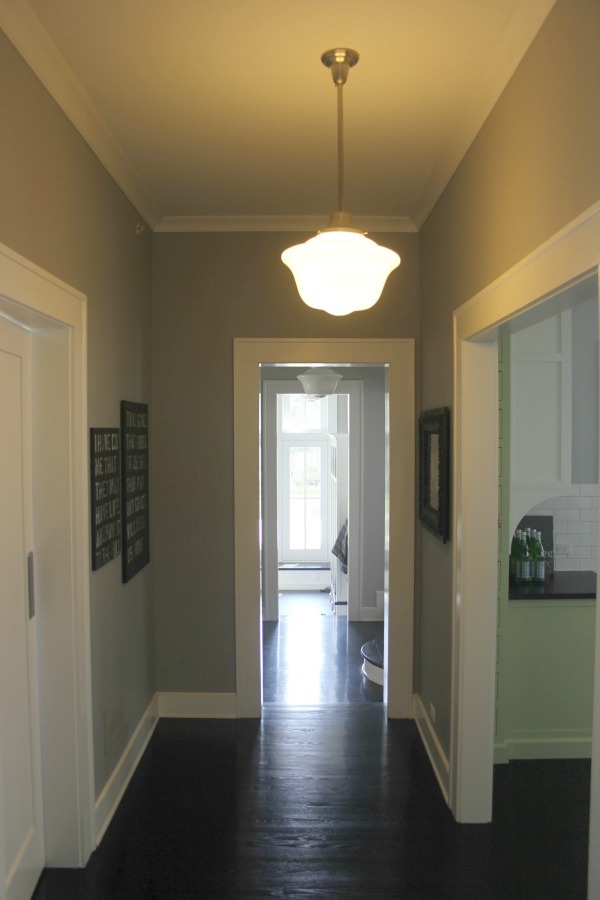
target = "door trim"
x: 56, y: 313
x: 575, y: 250
x: 398, y: 355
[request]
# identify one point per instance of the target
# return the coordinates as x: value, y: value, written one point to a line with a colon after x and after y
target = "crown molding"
x: 521, y: 28
x: 376, y: 224
x: 26, y: 33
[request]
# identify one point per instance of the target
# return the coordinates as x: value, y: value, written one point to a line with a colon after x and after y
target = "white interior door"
x: 21, y: 814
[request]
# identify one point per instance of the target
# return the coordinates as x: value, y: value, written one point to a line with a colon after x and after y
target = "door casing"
x: 55, y: 314
x: 399, y: 358
x: 536, y: 280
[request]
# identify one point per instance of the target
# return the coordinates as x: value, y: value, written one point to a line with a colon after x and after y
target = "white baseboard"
x: 115, y: 787
x: 566, y: 745
x: 371, y: 614
x: 435, y: 751
x: 189, y: 705
x: 166, y: 705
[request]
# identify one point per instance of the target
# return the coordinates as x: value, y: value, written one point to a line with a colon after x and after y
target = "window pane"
x: 313, y: 471
x: 313, y: 524
x: 297, y: 471
x: 313, y: 413
x: 297, y: 530
x: 296, y: 417
x: 301, y: 413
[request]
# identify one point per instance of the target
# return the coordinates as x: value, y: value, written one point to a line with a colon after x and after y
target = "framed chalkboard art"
x: 105, y: 505
x: 135, y: 487
x: 434, y: 471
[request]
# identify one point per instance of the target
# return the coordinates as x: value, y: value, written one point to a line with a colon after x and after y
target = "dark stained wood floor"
x: 323, y: 802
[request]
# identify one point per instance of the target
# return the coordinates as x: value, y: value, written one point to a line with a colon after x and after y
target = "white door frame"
x: 271, y: 388
x: 398, y: 356
x: 575, y: 250
x: 56, y: 316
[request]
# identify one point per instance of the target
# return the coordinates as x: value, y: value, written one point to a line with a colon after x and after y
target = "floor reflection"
x: 312, y: 657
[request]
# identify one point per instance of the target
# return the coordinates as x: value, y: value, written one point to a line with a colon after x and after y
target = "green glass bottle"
x: 512, y: 559
x: 538, y: 559
x: 523, y: 567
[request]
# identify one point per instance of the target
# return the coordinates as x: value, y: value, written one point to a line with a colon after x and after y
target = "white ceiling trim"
x: 379, y: 224
x: 521, y: 28
x: 24, y: 30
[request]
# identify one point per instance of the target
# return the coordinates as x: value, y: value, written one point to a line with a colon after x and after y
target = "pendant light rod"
x: 340, y: 117
x: 339, y: 61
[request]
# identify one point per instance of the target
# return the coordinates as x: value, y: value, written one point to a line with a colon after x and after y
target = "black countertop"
x: 559, y: 586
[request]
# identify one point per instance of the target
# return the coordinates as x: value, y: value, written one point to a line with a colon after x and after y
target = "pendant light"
x: 320, y: 381
x: 340, y: 270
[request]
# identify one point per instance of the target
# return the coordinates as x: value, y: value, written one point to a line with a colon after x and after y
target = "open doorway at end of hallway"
x: 397, y: 355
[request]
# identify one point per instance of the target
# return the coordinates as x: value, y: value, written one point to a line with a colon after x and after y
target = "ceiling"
x: 218, y: 114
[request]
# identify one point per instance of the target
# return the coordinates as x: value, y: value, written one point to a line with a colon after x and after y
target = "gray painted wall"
x: 61, y: 210
x: 531, y: 170
x: 208, y: 289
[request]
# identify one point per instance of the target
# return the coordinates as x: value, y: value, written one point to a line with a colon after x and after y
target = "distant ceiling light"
x: 340, y: 270
x: 319, y: 381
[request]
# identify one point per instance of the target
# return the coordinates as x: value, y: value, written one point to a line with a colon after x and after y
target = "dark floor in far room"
x: 327, y: 800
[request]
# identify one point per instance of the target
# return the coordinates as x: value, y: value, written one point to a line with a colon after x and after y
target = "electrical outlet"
x: 432, y: 712
x: 562, y: 549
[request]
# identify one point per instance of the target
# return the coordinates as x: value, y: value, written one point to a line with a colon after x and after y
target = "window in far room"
x: 303, y: 446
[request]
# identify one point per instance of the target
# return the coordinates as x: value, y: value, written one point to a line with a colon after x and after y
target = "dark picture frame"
x: 135, y: 488
x: 434, y: 471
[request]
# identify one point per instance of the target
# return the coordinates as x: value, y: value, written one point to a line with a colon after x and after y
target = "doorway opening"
x: 54, y: 315
x: 529, y: 288
x: 322, y: 479
x: 397, y: 356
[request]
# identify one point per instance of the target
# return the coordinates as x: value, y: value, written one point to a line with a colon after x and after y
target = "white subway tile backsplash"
x: 579, y: 527
x: 578, y: 552
x: 575, y: 518
x: 573, y: 515
x: 556, y: 503
x: 566, y: 565
x: 579, y: 502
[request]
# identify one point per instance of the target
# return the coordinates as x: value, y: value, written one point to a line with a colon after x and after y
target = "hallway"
x: 327, y: 803
x: 328, y: 799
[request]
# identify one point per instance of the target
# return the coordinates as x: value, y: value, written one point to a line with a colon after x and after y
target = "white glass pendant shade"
x: 319, y: 381
x: 340, y: 271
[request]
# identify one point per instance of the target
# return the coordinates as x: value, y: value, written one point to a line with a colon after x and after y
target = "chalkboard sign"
x: 105, y: 480
x: 134, y: 456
